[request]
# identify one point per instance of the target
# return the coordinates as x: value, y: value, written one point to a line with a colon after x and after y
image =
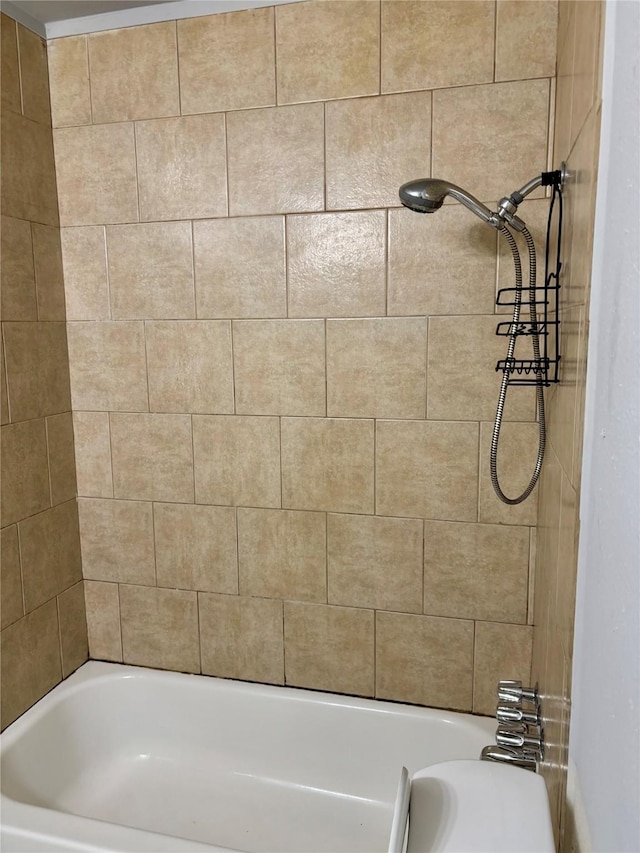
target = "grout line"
x: 380, y: 47
x: 375, y: 453
x: 107, y: 275
x: 424, y: 536
x: 46, y: 438
x: 386, y: 261
x: 324, y: 154
x: 155, y: 551
x: 281, y: 471
x: 284, y: 648
x: 15, y: 26
x: 135, y: 157
x: 86, y: 38
x: 57, y: 598
x: 120, y: 624
x: 326, y: 557
x: 237, y: 529
x: 178, y: 70
x: 479, y: 469
x: 197, y: 592
x: 146, y: 365
x: 326, y: 371
x: 193, y: 271
x: 495, y: 41
x: 473, y: 666
x: 285, y: 226
x: 233, y: 366
x: 225, y: 124
x: 193, y: 457
x: 24, y: 606
x: 275, y: 55
x: 113, y: 486
x: 431, y: 136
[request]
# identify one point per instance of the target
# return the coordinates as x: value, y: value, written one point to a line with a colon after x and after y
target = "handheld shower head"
x: 424, y: 196
x: 428, y: 194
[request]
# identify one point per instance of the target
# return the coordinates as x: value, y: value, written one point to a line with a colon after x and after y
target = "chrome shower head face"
x: 428, y: 194
x: 425, y: 195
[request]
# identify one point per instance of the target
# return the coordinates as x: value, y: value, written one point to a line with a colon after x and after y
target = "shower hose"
x: 535, y: 338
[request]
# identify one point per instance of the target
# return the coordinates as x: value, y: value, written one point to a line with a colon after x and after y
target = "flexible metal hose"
x: 542, y: 433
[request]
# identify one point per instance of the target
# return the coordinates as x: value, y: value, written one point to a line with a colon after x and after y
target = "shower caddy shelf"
x: 545, y: 370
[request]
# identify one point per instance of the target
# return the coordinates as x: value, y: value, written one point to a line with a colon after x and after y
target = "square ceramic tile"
x: 501, y: 652
x: 134, y: 73
x: 465, y: 385
x: 34, y: 76
x: 31, y: 663
x: 241, y: 638
x: 108, y: 368
x: 237, y: 460
x: 375, y: 562
x: 517, y: 452
x: 329, y: 648
x: 327, y: 464
x: 327, y: 50
x: 92, y: 440
x: 28, y: 171
x: 227, y: 61
x: 18, y: 287
x: 335, y: 264
x: 190, y: 366
x: 476, y: 571
x: 196, y: 547
x: 69, y: 80
x: 376, y: 368
x: 240, y: 267
x: 102, y: 605
x: 37, y: 369
x: 47, y: 256
x: 464, y: 123
x: 532, y: 26
x: 73, y: 629
x: 152, y: 457
x: 282, y: 554
x: 96, y: 174
x: 443, y: 264
x: 12, y: 603
x: 427, y: 469
x: 160, y: 628
x: 151, y: 271
x: 25, y: 470
x: 62, y: 466
x: 279, y: 367
x: 424, y: 660
x: 10, y: 65
x: 373, y: 146
x: 420, y: 39
x: 117, y: 541
x: 276, y: 160
x: 182, y: 172
x: 84, y: 260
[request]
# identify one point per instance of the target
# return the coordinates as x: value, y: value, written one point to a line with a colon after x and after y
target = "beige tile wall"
x: 577, y: 122
x: 281, y: 380
x: 44, y: 633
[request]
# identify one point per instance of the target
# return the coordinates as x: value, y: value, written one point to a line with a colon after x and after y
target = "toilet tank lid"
x: 478, y: 807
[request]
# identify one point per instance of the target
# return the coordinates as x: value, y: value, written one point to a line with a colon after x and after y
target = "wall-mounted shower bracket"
x: 545, y: 369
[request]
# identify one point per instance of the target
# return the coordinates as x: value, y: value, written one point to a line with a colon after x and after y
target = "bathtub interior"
x: 241, y: 766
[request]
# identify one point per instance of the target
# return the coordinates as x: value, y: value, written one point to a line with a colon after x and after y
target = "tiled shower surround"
x: 283, y: 383
x: 44, y: 635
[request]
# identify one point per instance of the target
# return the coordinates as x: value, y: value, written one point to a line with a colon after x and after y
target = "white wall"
x: 605, y: 744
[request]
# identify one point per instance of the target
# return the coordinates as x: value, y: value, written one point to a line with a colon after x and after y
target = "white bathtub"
x: 121, y: 758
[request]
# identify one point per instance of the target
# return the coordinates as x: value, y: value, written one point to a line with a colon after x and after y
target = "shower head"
x: 428, y: 194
